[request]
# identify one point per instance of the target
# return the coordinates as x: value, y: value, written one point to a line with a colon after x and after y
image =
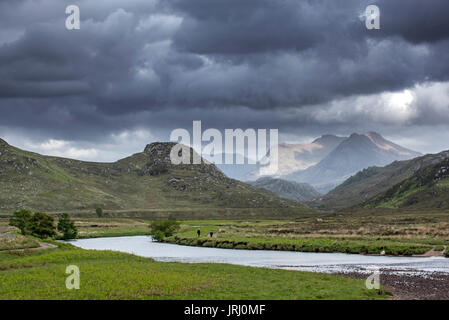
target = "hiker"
x: 211, y: 234
x: 198, y: 232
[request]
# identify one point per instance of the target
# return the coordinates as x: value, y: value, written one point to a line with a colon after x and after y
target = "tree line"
x: 42, y: 225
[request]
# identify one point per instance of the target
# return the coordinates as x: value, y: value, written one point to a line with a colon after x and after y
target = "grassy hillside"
x: 145, y: 181
x: 427, y: 188
x: 374, y: 181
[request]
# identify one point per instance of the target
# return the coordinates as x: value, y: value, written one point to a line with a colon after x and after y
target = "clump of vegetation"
x: 99, y: 212
x: 42, y: 225
x: 163, y: 228
x: 39, y: 224
x: 22, y: 220
x: 67, y: 227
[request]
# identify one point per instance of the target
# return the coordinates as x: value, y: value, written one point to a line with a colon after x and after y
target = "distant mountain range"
x: 143, y: 181
x: 355, y: 153
x: 240, y: 172
x: 327, y: 161
x: 287, y: 189
x: 148, y: 181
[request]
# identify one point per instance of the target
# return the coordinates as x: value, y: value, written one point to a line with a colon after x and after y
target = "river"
x: 315, y: 262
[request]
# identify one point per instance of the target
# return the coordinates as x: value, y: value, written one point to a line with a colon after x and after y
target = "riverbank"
x: 399, y: 235
x: 432, y: 286
x: 115, y: 275
x: 382, y: 234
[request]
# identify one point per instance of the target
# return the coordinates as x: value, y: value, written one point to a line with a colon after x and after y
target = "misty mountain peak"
x: 355, y: 139
x: 355, y: 153
x: 374, y: 134
x: 328, y: 139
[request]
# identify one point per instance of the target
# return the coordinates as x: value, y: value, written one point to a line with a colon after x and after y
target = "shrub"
x: 22, y: 220
x: 163, y: 228
x: 67, y: 227
x: 99, y: 212
x: 158, y: 235
x: 42, y: 225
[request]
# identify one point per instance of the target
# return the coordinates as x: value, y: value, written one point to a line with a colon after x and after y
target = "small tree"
x: 67, y: 227
x: 22, y: 220
x: 99, y: 212
x: 163, y: 228
x: 42, y: 225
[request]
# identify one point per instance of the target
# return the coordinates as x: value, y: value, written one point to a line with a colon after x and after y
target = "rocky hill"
x: 287, y: 189
x: 145, y: 180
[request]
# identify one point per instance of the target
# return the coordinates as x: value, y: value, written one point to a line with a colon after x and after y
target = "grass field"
x: 391, y: 233
x: 113, y: 275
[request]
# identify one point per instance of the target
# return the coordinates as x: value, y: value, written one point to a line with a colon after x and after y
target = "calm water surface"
x: 316, y: 262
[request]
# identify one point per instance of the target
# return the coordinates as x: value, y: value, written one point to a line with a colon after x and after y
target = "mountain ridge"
x: 143, y: 180
x: 287, y: 189
x: 355, y: 153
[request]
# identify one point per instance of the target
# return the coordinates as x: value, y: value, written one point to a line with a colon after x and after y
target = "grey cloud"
x: 162, y: 64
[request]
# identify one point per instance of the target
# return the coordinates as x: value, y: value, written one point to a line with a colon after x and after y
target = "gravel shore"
x: 409, y: 286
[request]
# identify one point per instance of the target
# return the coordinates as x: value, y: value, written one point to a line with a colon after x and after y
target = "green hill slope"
x: 374, y: 181
x: 426, y: 188
x: 145, y: 180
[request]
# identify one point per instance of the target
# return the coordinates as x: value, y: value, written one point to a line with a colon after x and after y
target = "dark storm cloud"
x: 244, y: 27
x: 231, y: 63
x: 414, y: 20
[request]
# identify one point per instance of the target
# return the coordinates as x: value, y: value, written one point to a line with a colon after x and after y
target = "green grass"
x: 394, y: 234
x: 113, y: 275
x: 11, y: 241
x: 113, y: 232
x: 328, y: 245
x: 396, y: 196
x: 444, y: 183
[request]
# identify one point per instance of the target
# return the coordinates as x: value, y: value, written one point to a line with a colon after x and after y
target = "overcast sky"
x: 138, y: 69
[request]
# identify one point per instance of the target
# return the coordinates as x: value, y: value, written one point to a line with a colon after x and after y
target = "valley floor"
x: 112, y: 275
x: 388, y: 233
x: 33, y: 274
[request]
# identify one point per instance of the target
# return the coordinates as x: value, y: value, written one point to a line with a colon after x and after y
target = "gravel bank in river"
x: 406, y: 286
